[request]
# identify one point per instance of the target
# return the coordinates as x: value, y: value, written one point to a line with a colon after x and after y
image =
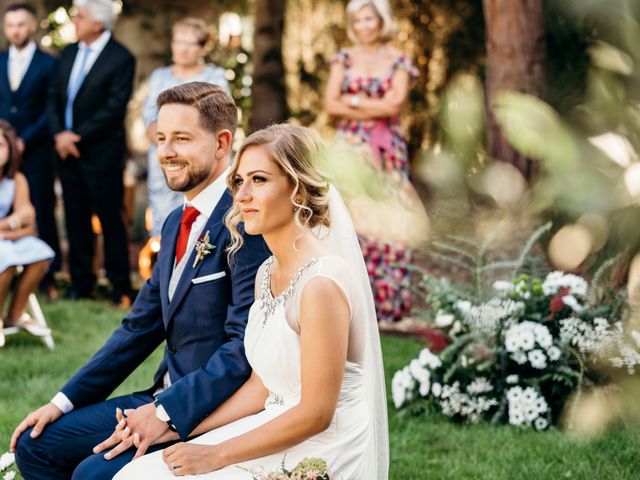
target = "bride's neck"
x: 289, y: 246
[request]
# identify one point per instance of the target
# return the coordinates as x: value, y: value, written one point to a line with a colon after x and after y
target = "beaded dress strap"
x: 268, y: 302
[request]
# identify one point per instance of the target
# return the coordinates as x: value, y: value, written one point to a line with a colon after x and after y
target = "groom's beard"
x: 192, y: 180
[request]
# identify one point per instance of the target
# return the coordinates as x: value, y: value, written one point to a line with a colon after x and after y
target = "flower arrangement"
x: 6, y: 461
x: 306, y: 469
x: 518, y: 356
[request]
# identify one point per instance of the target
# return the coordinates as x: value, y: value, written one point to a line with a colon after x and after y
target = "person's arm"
x: 22, y: 221
x: 227, y: 368
x: 112, y: 111
x: 390, y: 105
x: 333, y: 97
x: 324, y: 335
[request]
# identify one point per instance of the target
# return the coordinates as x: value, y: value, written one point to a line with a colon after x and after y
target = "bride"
x: 317, y: 388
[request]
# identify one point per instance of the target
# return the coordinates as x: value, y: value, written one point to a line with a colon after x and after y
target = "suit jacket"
x: 26, y: 108
x: 203, y: 326
x: 100, y: 106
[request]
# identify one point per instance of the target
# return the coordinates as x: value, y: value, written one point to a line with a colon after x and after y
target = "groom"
x: 195, y: 300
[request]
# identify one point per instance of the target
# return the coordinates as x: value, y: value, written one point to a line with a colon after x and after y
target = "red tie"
x: 189, y: 216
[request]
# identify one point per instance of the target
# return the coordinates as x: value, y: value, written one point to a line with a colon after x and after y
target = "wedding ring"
x: 175, y: 467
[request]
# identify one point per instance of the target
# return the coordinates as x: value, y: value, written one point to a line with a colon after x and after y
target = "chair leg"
x: 38, y: 316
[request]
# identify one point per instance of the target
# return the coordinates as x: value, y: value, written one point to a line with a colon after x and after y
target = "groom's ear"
x: 224, y: 142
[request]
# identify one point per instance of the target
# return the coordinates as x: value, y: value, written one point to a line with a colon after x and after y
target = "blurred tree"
x: 515, y: 39
x: 269, y: 92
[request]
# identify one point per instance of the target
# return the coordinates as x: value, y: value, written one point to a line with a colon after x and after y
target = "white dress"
x: 272, y: 347
x: 25, y: 250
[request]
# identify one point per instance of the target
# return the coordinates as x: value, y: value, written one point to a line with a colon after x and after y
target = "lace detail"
x: 268, y: 302
x: 274, y: 399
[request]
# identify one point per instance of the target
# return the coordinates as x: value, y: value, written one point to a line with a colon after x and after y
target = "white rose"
x: 9, y: 476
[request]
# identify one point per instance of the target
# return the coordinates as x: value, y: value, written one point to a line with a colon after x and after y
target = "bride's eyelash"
x: 258, y: 178
x: 237, y: 181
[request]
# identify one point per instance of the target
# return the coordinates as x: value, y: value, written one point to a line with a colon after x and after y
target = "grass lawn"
x: 421, y: 447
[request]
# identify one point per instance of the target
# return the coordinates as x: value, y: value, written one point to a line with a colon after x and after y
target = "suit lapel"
x: 214, y: 226
x: 101, y: 62
x: 169, y: 239
x: 68, y: 60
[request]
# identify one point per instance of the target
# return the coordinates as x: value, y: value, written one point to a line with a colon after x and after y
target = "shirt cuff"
x: 161, y: 413
x: 62, y: 402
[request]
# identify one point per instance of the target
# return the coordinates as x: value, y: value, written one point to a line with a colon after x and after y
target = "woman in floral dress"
x: 367, y: 88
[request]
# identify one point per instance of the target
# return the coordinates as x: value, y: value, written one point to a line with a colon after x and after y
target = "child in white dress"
x: 18, y: 246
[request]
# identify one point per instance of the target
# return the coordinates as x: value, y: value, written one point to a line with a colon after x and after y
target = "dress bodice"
x: 272, y: 340
x: 7, y: 195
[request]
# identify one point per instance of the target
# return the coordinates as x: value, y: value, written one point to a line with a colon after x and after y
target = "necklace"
x: 268, y: 302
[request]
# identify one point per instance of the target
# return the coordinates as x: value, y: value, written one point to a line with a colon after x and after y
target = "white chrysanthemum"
x: 6, y: 460
x: 525, y: 405
x: 516, y: 418
x: 554, y: 353
x: 537, y: 359
x: 557, y: 280
x: 573, y: 303
x: 514, y: 394
x: 429, y: 359
x: 443, y: 319
x: 436, y: 389
x: 519, y: 357
x: 512, y: 379
x: 540, y: 423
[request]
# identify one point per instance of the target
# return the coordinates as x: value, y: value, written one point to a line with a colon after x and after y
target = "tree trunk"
x: 269, y: 94
x: 515, y: 61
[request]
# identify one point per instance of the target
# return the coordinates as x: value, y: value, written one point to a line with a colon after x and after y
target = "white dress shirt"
x: 205, y: 202
x: 95, y: 49
x: 19, y: 61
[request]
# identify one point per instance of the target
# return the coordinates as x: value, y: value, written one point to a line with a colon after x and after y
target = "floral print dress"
x: 387, y: 262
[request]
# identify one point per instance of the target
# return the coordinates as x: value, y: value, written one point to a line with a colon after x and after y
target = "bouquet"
x: 518, y: 357
x: 306, y: 469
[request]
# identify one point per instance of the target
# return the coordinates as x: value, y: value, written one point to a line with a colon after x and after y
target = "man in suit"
x: 87, y: 107
x: 196, y: 300
x: 25, y: 72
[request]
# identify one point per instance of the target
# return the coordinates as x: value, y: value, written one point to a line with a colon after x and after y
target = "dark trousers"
x: 85, y: 192
x: 37, y: 166
x: 64, y: 450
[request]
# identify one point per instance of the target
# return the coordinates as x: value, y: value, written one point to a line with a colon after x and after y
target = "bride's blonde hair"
x: 296, y: 150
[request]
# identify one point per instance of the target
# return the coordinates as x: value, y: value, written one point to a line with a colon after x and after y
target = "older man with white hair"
x: 87, y: 106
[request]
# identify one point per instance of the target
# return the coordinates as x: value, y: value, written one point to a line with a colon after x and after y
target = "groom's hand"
x: 37, y: 419
x: 146, y: 430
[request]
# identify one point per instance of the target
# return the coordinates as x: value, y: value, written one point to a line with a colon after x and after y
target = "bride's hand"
x: 191, y: 459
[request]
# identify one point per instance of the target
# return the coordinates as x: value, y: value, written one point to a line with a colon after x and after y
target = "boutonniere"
x: 203, y: 248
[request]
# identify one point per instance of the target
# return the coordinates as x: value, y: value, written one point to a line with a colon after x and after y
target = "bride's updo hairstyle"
x: 296, y: 151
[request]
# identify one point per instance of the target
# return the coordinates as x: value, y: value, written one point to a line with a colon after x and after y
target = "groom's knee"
x: 29, y: 452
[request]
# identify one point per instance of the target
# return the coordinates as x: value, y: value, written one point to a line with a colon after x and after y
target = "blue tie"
x: 74, y: 86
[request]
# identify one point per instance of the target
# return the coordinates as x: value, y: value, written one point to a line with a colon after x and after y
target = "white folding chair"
x: 33, y: 308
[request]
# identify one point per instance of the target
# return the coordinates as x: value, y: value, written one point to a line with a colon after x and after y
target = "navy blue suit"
x: 203, y: 326
x: 93, y: 183
x: 26, y: 110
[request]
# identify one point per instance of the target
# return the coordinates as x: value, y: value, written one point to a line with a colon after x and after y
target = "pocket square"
x: 208, y: 278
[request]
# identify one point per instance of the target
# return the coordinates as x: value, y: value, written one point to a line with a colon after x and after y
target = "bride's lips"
x: 248, y: 211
